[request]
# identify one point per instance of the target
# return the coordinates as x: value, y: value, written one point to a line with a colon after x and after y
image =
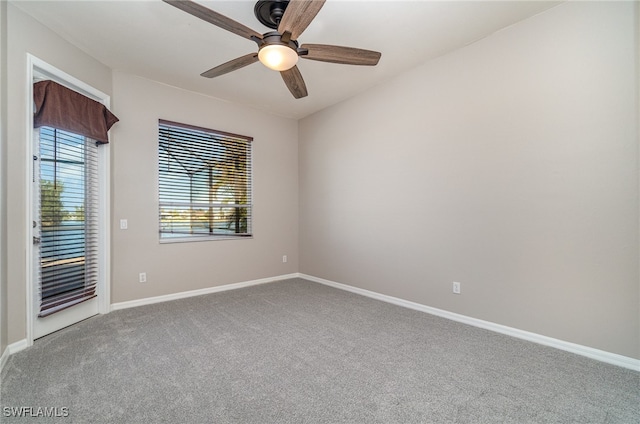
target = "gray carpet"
x: 300, y: 352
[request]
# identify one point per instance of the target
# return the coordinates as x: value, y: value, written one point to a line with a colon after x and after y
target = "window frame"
x: 200, y: 237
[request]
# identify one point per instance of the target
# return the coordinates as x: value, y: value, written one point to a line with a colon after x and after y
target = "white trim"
x: 199, y: 292
x: 38, y: 67
x: 51, y: 72
x: 29, y: 293
x: 11, y: 349
x: 589, y: 352
x: 104, y: 228
x: 3, y: 123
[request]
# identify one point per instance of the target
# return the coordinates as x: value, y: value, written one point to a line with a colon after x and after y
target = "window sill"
x: 191, y: 239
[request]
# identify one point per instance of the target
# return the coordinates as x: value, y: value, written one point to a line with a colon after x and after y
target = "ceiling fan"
x: 279, y: 50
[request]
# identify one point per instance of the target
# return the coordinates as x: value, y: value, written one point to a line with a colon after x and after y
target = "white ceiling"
x: 157, y: 41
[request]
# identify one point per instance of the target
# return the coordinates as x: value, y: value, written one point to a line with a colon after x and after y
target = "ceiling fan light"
x: 278, y: 57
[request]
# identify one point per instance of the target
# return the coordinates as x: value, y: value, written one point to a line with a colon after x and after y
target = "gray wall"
x: 510, y: 165
x: 177, y: 267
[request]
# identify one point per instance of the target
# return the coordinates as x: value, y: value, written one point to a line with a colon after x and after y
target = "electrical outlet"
x: 143, y: 277
x: 456, y: 287
x: 284, y: 259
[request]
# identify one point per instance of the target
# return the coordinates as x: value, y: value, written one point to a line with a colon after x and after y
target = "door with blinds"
x: 65, y: 228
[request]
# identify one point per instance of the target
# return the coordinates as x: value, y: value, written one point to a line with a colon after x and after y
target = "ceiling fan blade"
x: 298, y: 15
x: 339, y: 54
x: 293, y: 79
x: 214, y: 18
x: 231, y: 65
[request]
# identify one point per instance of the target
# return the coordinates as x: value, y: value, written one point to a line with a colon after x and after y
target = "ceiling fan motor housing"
x: 274, y: 37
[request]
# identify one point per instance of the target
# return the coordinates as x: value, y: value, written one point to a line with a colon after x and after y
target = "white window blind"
x: 204, y: 181
x: 68, y: 236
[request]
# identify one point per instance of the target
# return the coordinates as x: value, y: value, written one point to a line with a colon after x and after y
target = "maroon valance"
x: 60, y: 107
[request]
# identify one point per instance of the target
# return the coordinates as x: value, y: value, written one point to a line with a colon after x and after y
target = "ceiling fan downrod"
x: 270, y: 12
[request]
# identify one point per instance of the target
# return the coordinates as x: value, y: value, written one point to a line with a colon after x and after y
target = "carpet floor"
x: 300, y: 352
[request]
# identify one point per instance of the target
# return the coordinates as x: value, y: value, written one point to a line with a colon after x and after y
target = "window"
x: 204, y: 183
x: 68, y: 238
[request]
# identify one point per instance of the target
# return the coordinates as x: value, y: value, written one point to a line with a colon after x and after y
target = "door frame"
x: 36, y: 66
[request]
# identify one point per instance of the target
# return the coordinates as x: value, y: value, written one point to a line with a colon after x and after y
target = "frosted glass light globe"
x: 278, y: 57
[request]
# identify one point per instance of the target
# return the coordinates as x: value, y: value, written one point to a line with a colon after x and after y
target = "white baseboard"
x: 11, y: 349
x: 191, y: 293
x: 600, y: 355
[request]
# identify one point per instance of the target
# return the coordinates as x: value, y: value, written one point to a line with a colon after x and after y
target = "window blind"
x: 68, y: 204
x: 204, y: 183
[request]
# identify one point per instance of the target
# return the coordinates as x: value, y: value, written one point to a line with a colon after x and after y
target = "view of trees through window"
x: 65, y: 161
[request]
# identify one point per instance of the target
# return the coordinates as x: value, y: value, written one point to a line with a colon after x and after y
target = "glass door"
x: 65, y: 230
